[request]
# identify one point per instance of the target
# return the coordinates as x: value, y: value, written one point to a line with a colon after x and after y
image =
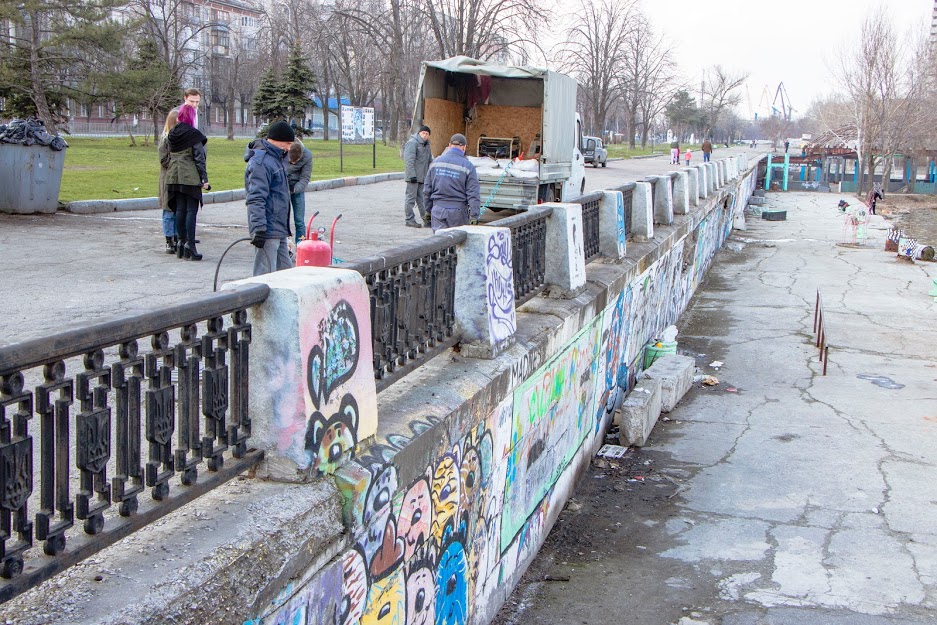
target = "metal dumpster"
x: 30, y: 177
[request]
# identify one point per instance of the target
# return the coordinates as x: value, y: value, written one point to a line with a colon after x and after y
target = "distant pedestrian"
x: 451, y: 195
x: 674, y: 152
x: 169, y: 219
x: 787, y: 144
x: 687, y: 156
x: 299, y: 171
x: 416, y: 159
x: 707, y: 148
x: 186, y: 177
x: 268, y: 198
x: 874, y: 196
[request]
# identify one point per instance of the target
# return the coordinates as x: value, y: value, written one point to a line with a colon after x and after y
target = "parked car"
x: 594, y: 151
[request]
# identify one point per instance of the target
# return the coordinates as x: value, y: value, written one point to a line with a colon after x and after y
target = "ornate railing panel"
x: 590, y: 223
x: 412, y: 291
x: 107, y: 420
x: 529, y: 248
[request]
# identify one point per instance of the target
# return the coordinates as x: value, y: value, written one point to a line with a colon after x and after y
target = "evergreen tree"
x: 53, y: 45
x: 266, y: 102
x: 297, y: 85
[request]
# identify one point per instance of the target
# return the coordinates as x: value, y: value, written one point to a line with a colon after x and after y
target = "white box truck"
x: 523, y: 133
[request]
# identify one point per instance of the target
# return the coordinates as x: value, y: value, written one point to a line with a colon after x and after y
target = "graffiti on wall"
x: 499, y: 273
x: 553, y: 413
x: 436, y: 550
x: 620, y: 222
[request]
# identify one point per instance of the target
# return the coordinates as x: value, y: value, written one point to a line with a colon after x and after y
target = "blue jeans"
x: 298, y: 201
x: 705, y: 157
x: 169, y: 223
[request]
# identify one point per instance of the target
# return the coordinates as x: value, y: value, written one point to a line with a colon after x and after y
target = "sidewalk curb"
x: 89, y: 207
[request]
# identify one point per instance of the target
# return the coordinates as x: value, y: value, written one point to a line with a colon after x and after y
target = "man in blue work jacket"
x: 451, y: 196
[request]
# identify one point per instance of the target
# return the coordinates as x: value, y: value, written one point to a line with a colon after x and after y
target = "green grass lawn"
x: 109, y: 168
x: 621, y: 150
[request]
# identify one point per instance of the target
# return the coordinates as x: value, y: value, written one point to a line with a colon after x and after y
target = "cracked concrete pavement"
x: 794, y: 498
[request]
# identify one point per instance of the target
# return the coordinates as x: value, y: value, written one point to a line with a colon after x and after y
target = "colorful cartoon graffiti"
x: 331, y: 363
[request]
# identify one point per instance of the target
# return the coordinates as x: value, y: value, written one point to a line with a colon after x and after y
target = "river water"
x: 918, y: 219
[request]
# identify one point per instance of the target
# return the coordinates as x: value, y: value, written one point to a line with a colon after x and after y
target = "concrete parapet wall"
x: 450, y: 499
x: 313, y: 396
x: 474, y: 459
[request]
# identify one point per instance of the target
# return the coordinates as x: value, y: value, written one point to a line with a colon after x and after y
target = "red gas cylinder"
x: 313, y: 253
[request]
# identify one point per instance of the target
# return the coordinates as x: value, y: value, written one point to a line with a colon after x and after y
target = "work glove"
x: 411, y: 179
x: 427, y: 219
x: 473, y: 222
x: 259, y: 238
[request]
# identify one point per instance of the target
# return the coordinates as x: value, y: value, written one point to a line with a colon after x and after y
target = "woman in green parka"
x: 186, y: 177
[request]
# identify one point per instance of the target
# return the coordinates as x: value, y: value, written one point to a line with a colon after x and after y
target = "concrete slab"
x: 639, y: 412
x: 675, y: 373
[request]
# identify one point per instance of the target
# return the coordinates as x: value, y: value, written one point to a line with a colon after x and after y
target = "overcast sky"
x: 790, y: 41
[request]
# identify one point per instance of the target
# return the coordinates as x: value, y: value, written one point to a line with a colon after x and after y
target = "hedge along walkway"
x: 109, y: 169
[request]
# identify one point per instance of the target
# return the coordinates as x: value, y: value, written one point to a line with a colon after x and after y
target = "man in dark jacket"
x: 299, y: 170
x: 451, y: 194
x: 707, y: 150
x: 268, y: 199
x: 416, y: 160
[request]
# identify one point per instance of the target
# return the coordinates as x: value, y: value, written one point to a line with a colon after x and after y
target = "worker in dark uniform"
x: 451, y: 195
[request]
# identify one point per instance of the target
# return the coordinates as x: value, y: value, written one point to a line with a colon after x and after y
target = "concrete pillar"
x: 484, y: 292
x: 663, y: 200
x: 312, y: 377
x: 711, y: 170
x: 681, y: 193
x: 735, y: 167
x: 566, y: 257
x: 692, y: 175
x: 642, y: 212
x: 743, y: 162
x: 703, y: 176
x: 612, y: 236
x: 721, y: 165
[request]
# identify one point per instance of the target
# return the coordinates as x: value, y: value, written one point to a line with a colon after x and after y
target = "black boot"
x: 191, y: 252
x: 170, y: 245
x: 180, y: 249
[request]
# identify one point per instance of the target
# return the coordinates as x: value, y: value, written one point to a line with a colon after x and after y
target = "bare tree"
x: 721, y: 90
x: 647, y: 79
x: 885, y: 79
x: 398, y: 31
x: 594, y: 49
x: 483, y: 29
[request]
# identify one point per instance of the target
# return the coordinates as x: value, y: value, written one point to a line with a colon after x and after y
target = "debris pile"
x: 30, y: 131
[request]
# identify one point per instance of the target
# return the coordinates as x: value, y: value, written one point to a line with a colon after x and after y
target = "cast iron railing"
x: 105, y: 406
x: 590, y: 223
x: 529, y: 250
x: 412, y: 292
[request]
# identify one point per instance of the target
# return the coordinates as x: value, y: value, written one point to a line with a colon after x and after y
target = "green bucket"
x: 652, y: 353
